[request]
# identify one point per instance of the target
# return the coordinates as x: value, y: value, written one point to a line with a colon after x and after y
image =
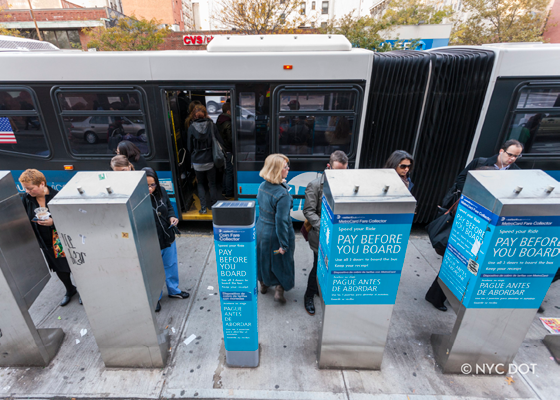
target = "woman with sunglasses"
x: 166, y: 223
x: 401, y: 162
x: 276, y: 239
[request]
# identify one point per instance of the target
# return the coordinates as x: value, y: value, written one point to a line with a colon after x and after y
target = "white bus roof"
x: 521, y: 59
x: 180, y: 65
x: 279, y: 43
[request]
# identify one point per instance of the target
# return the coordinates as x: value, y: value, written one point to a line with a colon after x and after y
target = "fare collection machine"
x: 503, y: 251
x: 235, y: 244
x: 366, y: 217
x: 23, y: 275
x: 107, y: 228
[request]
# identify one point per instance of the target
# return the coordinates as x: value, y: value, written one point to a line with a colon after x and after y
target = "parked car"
x: 94, y: 128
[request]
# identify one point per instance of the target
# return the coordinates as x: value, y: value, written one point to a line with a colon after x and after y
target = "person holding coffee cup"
x: 35, y: 200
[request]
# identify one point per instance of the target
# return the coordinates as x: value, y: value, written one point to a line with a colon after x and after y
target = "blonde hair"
x: 33, y: 176
x: 273, y: 166
x: 121, y: 161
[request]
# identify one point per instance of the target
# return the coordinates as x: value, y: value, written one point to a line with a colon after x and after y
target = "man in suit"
x: 509, y: 153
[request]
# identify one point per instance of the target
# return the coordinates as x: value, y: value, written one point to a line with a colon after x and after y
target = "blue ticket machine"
x: 502, y: 254
x: 235, y: 244
x: 366, y: 217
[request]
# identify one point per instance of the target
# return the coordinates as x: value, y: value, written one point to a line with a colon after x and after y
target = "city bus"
x: 301, y: 95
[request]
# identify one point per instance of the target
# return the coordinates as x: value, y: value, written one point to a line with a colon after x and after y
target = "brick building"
x: 62, y: 25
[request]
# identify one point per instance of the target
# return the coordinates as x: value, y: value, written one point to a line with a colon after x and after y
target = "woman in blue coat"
x: 275, y: 234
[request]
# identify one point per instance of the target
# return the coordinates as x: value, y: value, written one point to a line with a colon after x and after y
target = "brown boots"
x: 264, y: 288
x: 279, y: 294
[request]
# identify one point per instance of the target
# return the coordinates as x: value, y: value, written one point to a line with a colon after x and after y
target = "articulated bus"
x: 304, y: 96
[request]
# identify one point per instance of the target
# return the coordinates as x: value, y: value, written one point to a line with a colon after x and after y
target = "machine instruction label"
x: 496, y: 261
x: 361, y: 256
x: 236, y: 260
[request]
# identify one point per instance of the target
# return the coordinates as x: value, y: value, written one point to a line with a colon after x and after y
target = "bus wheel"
x: 91, y: 137
x: 212, y: 107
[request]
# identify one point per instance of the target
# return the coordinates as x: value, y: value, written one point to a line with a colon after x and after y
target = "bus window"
x: 21, y: 130
x: 252, y: 114
x: 536, y: 120
x: 320, y: 135
x: 318, y: 101
x: 99, y: 101
x: 95, y: 121
x: 315, y: 122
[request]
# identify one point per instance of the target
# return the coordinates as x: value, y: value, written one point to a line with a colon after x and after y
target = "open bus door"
x: 178, y: 102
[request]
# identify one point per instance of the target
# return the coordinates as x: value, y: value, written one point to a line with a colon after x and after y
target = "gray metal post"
x: 236, y: 261
x: 365, y: 225
x: 106, y: 224
x: 23, y: 274
x: 500, y: 260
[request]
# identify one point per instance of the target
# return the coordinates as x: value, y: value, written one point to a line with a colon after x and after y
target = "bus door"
x: 179, y: 103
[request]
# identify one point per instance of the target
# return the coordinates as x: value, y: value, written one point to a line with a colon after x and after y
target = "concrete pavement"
x: 288, y: 339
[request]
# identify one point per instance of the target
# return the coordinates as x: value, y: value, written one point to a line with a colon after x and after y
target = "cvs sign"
x: 189, y: 40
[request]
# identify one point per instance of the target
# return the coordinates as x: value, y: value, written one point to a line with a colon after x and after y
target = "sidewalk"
x: 288, y: 339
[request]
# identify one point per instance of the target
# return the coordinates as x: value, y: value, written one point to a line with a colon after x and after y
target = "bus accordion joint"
x: 288, y: 67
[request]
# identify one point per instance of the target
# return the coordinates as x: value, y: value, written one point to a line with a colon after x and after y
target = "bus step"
x: 194, y: 215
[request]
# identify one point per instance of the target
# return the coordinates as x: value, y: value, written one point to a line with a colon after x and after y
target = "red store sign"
x: 189, y: 40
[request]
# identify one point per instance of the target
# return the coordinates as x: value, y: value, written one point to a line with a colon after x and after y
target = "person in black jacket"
x: 166, y: 223
x: 38, y: 194
x: 509, y: 153
x: 133, y: 153
x: 199, y: 144
x: 224, y: 127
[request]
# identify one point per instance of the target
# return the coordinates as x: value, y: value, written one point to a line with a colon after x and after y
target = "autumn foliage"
x: 128, y: 34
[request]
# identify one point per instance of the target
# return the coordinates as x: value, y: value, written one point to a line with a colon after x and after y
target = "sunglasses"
x: 152, y: 185
x: 405, y: 166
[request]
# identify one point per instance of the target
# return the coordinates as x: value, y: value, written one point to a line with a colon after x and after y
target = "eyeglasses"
x: 405, y: 166
x: 152, y: 185
x: 286, y: 167
x: 513, y: 155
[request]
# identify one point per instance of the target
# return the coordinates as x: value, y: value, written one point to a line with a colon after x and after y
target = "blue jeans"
x: 169, y: 256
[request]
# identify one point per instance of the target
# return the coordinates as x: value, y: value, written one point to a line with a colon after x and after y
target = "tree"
x: 255, y: 17
x: 366, y: 32
x: 499, y: 21
x: 414, y: 12
x: 128, y: 34
x: 362, y: 32
x: 6, y: 31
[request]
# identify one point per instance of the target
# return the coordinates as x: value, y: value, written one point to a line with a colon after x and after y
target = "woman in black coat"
x: 38, y: 194
x: 166, y: 223
x: 133, y: 153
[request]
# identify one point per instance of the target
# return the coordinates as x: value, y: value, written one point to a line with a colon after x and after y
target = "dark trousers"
x: 312, y: 288
x: 435, y: 294
x: 207, y: 178
x: 65, y: 279
x: 228, y: 176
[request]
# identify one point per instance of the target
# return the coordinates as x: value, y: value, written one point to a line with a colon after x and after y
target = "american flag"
x: 6, y: 132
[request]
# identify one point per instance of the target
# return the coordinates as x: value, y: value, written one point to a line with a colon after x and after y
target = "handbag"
x: 218, y: 154
x: 305, y: 228
x: 439, y: 229
x: 57, y: 245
